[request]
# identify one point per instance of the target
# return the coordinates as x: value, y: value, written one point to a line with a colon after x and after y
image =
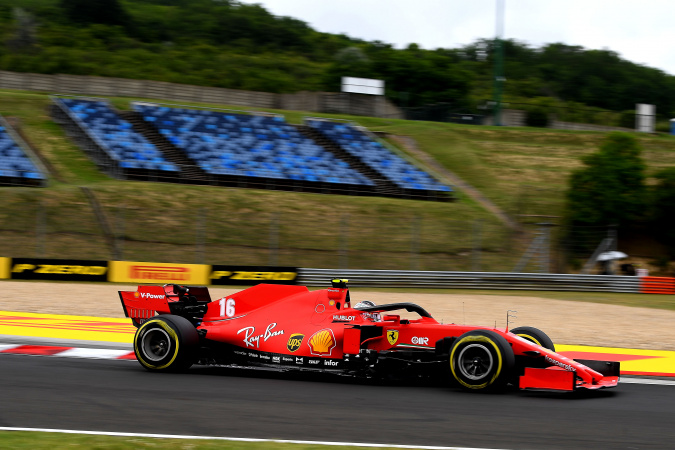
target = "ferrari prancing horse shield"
x: 392, y: 336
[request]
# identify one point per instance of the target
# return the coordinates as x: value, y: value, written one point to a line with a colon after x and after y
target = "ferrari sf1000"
x: 288, y: 327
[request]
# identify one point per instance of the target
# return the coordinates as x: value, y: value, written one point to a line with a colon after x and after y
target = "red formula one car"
x: 291, y: 328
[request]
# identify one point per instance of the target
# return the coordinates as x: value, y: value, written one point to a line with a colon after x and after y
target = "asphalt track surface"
x: 119, y: 396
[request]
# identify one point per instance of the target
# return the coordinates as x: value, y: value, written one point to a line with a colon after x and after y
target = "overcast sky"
x: 640, y: 31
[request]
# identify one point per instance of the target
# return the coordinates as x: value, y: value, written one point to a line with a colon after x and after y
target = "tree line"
x: 227, y: 43
x: 611, y: 189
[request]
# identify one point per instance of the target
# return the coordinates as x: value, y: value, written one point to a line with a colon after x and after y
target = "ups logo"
x: 294, y: 342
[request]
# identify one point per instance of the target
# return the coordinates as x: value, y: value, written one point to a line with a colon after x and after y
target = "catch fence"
x: 170, y: 225
x: 96, y: 224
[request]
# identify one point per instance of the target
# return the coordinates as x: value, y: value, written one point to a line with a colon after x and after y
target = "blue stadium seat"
x: 14, y: 162
x: 255, y: 146
x: 114, y: 135
x: 377, y: 157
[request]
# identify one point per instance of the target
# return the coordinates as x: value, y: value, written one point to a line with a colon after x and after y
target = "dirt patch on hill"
x: 565, y: 322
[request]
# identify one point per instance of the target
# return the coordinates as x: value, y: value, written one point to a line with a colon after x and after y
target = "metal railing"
x: 473, y: 280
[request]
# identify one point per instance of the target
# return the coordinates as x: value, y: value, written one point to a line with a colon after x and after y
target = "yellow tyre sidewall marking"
x: 485, y: 340
x: 530, y: 338
x: 172, y: 334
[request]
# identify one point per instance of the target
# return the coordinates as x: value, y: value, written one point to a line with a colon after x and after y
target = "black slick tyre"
x: 534, y: 335
x: 166, y: 343
x: 481, y: 360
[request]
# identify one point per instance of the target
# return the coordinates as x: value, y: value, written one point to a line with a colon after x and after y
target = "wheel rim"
x: 156, y: 344
x: 475, y: 362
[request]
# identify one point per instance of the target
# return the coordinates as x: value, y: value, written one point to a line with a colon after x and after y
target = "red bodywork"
x: 279, y: 324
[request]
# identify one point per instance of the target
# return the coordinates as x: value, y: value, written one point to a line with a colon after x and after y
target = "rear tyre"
x: 166, y: 343
x: 534, y: 335
x: 481, y: 360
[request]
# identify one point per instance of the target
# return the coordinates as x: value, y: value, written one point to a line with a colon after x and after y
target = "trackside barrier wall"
x: 474, y: 280
x: 203, y: 274
x: 143, y: 272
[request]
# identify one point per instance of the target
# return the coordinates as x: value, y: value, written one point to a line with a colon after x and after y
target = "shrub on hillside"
x: 610, y: 188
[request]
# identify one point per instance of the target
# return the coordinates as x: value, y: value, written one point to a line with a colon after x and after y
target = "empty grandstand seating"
x: 224, y: 143
x: 378, y: 157
x: 16, y: 168
x: 118, y: 143
x: 235, y: 148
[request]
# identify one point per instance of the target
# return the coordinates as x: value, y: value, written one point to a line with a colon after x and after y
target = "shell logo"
x: 322, y: 342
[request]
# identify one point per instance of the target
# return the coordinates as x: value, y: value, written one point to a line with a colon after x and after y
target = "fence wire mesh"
x: 70, y: 225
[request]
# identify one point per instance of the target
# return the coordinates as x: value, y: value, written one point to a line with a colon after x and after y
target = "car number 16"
x: 226, y: 307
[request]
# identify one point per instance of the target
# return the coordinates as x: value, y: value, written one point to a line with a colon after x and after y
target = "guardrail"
x: 473, y: 280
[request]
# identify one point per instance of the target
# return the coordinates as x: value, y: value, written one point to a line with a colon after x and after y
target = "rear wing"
x: 147, y: 301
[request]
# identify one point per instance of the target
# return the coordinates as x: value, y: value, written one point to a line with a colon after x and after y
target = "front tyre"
x: 481, y: 360
x: 534, y: 335
x: 166, y: 343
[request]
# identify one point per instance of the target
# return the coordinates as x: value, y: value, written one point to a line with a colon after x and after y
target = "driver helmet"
x: 364, y: 304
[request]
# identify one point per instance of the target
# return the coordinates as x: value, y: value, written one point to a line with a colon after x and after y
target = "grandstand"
x: 110, y: 140
x: 376, y: 156
x: 173, y: 143
x: 228, y: 145
x: 16, y: 167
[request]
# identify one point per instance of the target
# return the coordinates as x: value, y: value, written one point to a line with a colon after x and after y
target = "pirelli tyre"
x: 166, y: 343
x: 481, y: 360
x: 534, y: 335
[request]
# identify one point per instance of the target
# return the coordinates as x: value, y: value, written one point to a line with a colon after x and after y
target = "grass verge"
x: 50, y: 441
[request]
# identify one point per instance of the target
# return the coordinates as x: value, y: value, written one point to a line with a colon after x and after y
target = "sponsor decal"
x: 392, y: 336
x: 55, y: 269
x: 251, y: 275
x: 237, y: 352
x: 286, y: 359
x: 420, y: 340
x: 314, y: 361
x: 322, y: 342
x: 559, y: 364
x: 144, y: 272
x: 276, y: 359
x: 330, y: 363
x: 294, y: 342
x: 148, y: 296
x: 159, y: 273
x: 252, y: 340
x: 253, y: 355
x: 337, y: 318
x: 299, y: 360
x: 265, y: 357
x: 375, y: 317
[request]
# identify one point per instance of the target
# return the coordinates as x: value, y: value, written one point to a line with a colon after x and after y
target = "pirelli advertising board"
x: 58, y: 269
x: 143, y: 272
x: 251, y: 275
x: 5, y: 264
x: 158, y: 273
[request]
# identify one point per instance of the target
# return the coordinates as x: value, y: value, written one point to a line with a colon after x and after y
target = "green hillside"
x: 522, y: 170
x: 240, y: 45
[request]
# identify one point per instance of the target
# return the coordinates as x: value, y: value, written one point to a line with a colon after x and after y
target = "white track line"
x: 92, y: 353
x: 217, y: 438
x: 625, y: 380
